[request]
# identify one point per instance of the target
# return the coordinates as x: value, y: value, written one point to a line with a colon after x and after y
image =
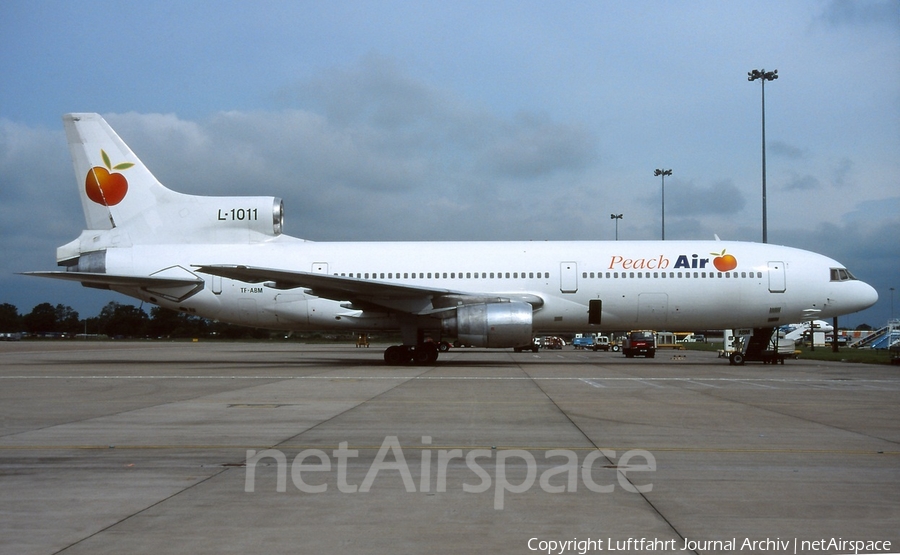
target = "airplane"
x: 228, y: 258
x: 795, y: 332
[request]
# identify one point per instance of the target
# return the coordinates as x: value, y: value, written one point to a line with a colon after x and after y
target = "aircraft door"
x: 568, y: 277
x: 595, y: 311
x: 776, y: 277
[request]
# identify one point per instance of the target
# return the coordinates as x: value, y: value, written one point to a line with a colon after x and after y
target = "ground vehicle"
x: 640, y: 342
x: 690, y: 338
x: 761, y: 345
x: 535, y: 345
x: 601, y: 343
x: 616, y: 344
x: 583, y: 341
x: 591, y: 341
x: 553, y: 342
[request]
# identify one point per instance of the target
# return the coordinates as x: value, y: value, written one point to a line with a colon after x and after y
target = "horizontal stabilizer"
x: 172, y: 288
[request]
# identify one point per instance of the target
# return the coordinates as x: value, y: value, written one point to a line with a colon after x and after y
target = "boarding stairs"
x: 882, y: 338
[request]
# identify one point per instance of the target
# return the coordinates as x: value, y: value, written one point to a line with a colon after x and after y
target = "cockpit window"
x: 841, y: 274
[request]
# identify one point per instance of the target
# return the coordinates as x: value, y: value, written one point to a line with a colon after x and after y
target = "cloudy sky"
x: 533, y: 120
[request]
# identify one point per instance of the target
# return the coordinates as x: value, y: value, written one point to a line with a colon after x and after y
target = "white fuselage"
x: 641, y: 284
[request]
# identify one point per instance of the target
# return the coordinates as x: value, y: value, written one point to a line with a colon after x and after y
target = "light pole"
x: 892, y: 303
x: 763, y: 76
x: 663, y: 173
x: 616, y: 217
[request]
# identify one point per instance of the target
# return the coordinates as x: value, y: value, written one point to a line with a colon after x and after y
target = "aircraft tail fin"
x: 114, y: 185
x: 118, y: 191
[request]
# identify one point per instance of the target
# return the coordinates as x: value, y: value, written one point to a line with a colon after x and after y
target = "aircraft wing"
x: 167, y: 286
x: 363, y: 292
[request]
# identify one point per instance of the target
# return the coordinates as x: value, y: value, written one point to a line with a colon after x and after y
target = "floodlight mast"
x: 763, y: 76
x: 663, y: 173
x: 616, y: 217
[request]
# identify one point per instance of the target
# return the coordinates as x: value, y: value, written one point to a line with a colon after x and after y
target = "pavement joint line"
x: 433, y: 447
x: 750, y: 382
x: 703, y: 384
x: 812, y: 381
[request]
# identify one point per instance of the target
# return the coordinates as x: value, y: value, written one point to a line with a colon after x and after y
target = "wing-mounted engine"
x: 234, y: 218
x: 498, y: 325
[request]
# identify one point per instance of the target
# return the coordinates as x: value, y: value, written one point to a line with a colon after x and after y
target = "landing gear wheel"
x: 426, y: 353
x: 396, y: 355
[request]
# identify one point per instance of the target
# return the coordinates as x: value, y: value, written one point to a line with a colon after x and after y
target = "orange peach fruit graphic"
x: 724, y: 262
x: 104, y: 187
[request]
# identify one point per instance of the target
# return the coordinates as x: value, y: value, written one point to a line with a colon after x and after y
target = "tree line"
x: 128, y: 321
x: 118, y: 320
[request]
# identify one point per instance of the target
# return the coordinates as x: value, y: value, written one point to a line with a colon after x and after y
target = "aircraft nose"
x: 872, y: 296
x: 865, y: 296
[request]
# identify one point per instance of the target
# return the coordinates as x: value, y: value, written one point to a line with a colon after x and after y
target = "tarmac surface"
x: 151, y: 447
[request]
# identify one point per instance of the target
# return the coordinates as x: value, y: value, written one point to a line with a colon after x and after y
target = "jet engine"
x: 494, y: 325
x: 261, y: 214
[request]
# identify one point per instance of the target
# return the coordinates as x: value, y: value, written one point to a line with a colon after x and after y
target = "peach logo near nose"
x: 724, y: 262
x: 104, y: 187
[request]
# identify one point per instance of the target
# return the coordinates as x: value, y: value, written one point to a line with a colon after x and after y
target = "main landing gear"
x: 423, y: 353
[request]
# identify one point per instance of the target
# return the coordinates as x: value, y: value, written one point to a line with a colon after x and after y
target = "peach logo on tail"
x: 104, y: 187
x: 724, y: 262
